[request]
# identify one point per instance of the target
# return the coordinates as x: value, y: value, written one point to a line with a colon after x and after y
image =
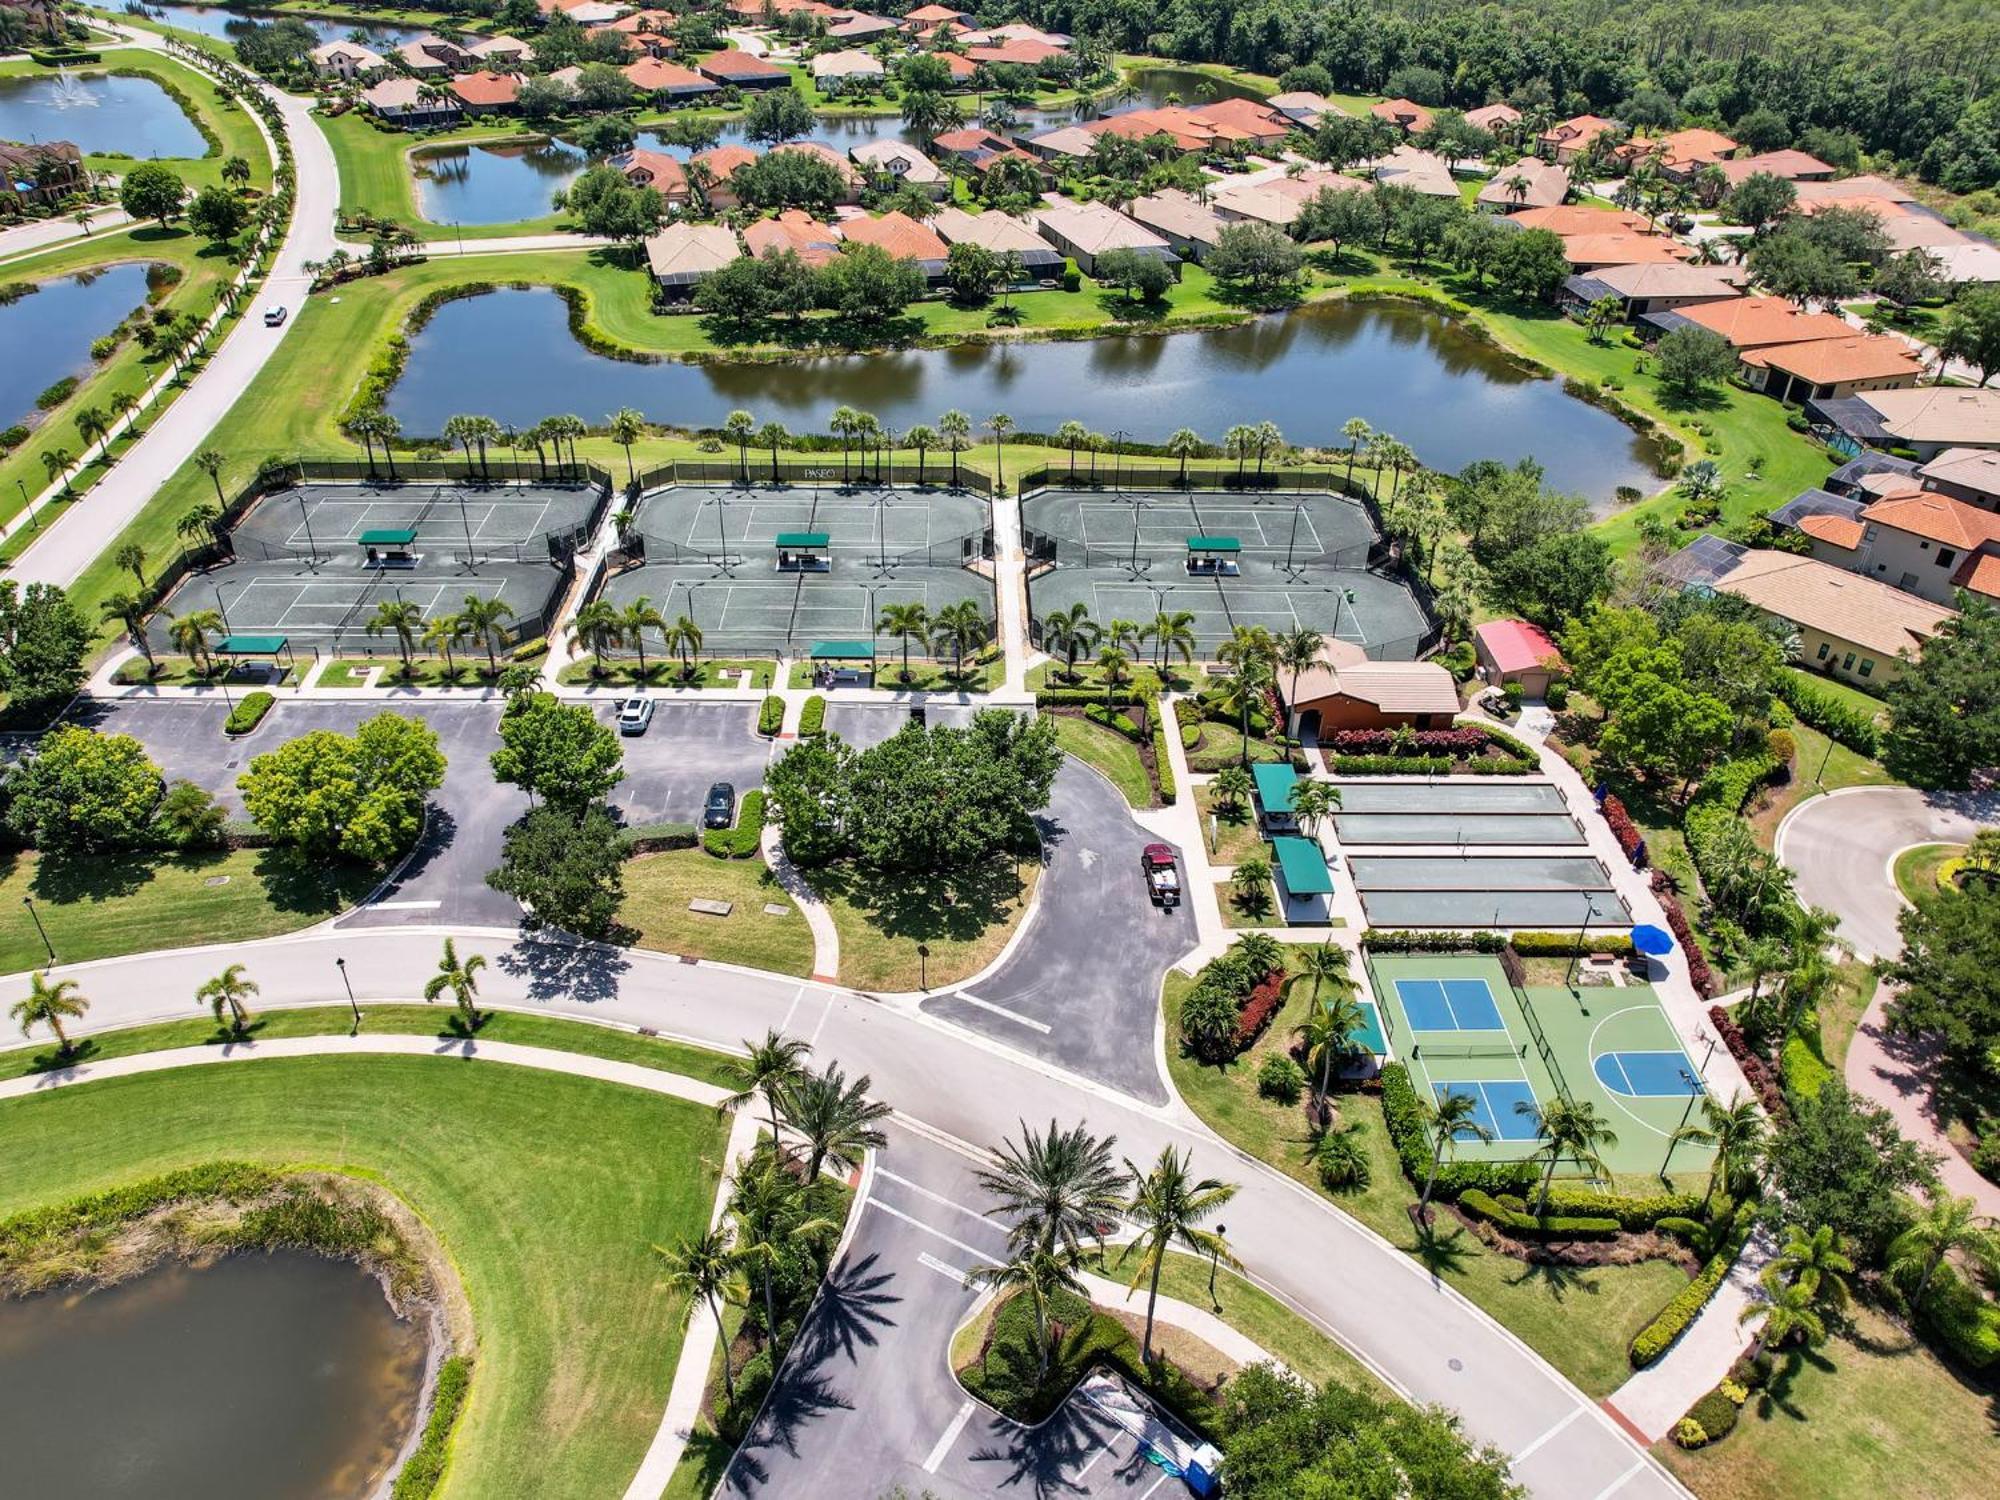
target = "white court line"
x: 1528, y: 1452
x: 1620, y: 1482
x: 939, y: 1198
x: 1000, y: 1010
x: 911, y: 1219
x: 943, y: 1268
x: 948, y: 1437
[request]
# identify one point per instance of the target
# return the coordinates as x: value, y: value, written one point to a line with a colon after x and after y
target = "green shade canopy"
x: 389, y: 536
x: 1214, y: 544
x: 843, y: 651
x: 251, y: 645
x: 1275, y: 780
x: 1368, y: 1031
x: 798, y: 541
x: 1303, y: 867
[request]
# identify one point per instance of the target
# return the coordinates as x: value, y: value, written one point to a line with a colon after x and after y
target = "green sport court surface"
x: 1473, y: 890
x: 1461, y: 1027
x: 1297, y: 560
x: 1454, y: 813
x: 452, y: 523
x: 714, y: 555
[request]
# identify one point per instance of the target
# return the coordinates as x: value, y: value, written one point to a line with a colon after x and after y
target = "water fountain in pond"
x: 69, y: 93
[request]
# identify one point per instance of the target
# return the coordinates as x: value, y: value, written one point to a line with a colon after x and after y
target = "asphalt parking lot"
x: 688, y: 746
x: 865, y: 724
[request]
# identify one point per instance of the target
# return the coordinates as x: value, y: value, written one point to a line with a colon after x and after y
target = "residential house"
x: 1184, y: 222
x: 1680, y: 155
x: 1976, y: 264
x: 1256, y: 122
x: 1751, y: 323
x: 1499, y: 119
x: 1276, y: 197
x: 1419, y: 171
x: 501, y: 51
x: 657, y: 170
x: 646, y: 31
x: 937, y: 15
x: 1867, y: 185
x: 1920, y: 541
x: 1008, y: 53
x: 962, y: 68
x: 485, y: 92
x: 1831, y: 368
x: 1574, y: 137
x: 1582, y: 218
x: 1849, y: 626
x: 1927, y: 421
x: 847, y: 66
x: 667, y: 82
x: 433, y: 57
x: 904, y: 238
x: 1529, y: 183
x: 979, y: 147
x: 856, y: 27
x: 1405, y: 114
x: 1084, y: 231
x: 1517, y: 651
x: 1344, y: 690
x: 1021, y: 31
x: 1793, y: 166
x: 41, y: 173
x: 850, y: 179
x: 903, y: 164
x: 412, y: 103
x: 1651, y: 287
x: 797, y: 231
x: 716, y: 166
x: 681, y: 254
x: 583, y: 12
x: 1065, y: 144
x: 1000, y: 233
x: 348, y: 61
x: 730, y: 66
x: 1968, y: 474
x: 1591, y: 252
x: 1303, y: 108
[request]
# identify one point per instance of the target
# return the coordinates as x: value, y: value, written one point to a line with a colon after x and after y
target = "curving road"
x: 1842, y: 848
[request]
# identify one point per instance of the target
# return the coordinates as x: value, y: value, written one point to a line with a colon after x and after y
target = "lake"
x: 266, y: 1377
x: 98, y: 113
x: 509, y: 354
x: 227, y: 21
x: 1189, y: 86
x: 48, y: 333
x: 496, y: 184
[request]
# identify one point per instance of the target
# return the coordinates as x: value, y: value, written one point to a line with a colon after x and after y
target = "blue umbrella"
x: 1653, y: 940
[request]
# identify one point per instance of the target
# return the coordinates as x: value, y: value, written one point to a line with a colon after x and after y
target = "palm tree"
x: 461, y: 979
x: 130, y: 611
x: 635, y: 620
x: 1328, y: 1029
x: 50, y: 1005
x: 227, y: 992
x: 400, y: 618
x: 1231, y: 786
x: 1056, y: 1189
x: 1037, y: 1275
x: 1313, y: 801
x: 766, y: 1201
x: 773, y: 435
x: 685, y: 637
x: 956, y: 428
x: 739, y: 427
x: 923, y: 439
x: 845, y: 424
x: 958, y: 627
x: 705, y: 1267
x: 1072, y: 435
x: 1171, y: 631
x: 1602, y: 313
x: 1183, y: 443
x: 764, y: 1068
x: 1113, y: 662
x: 1568, y: 1129
x: 90, y: 426
x: 1072, y: 632
x: 910, y: 622
x: 132, y: 558
x: 1168, y: 1207
x: 1814, y: 1261
x: 458, y: 428
x: 1270, y: 442
x: 1244, y: 690
x: 482, y: 619
x: 1946, y: 1226
x: 837, y: 1118
x: 1788, y: 1314
x: 1735, y: 1130
x: 1252, y: 879
x: 597, y: 625
x: 55, y: 463
x: 201, y: 521
x: 190, y: 632
x: 1356, y: 432
x: 441, y: 635
x: 627, y: 427
x: 999, y: 424
x: 1296, y: 651
x: 1450, y: 1118
x: 1237, y: 443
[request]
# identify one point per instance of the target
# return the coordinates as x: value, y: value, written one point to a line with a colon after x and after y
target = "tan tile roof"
x: 899, y: 234
x: 1835, y: 531
x: 1093, y: 228
x: 1671, y: 279
x: 1938, y: 517
x: 1971, y: 468
x: 993, y: 229
x: 729, y: 63
x: 1865, y: 356
x: 900, y: 159
x: 1548, y: 185
x: 686, y: 252
x: 1581, y: 218
x: 1177, y: 215
x: 1492, y: 116
x: 1865, y: 186
x: 813, y: 242
x: 1762, y: 322
x: 1395, y: 687
x: 1939, y: 414
x: 1786, y: 164
x: 848, y: 63
x: 654, y: 75
x: 1835, y: 602
x: 1621, y: 249
x: 1402, y: 112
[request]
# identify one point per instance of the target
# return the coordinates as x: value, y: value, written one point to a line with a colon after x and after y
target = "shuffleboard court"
x: 1450, y: 796
x: 1458, y: 828
x: 1470, y: 910
x: 1443, y: 872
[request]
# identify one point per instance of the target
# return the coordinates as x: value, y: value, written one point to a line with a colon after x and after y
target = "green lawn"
x: 1868, y: 1415
x: 1917, y: 868
x: 1821, y: 765
x: 130, y: 369
x: 376, y: 177
x: 658, y: 888
x: 964, y: 921
x: 1108, y: 751
x: 99, y: 906
x: 546, y: 1191
x: 1580, y: 1320
x: 709, y: 672
x: 1237, y: 836
x: 1843, y: 692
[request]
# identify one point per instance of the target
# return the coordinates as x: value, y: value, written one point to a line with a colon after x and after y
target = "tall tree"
x: 836, y: 1118
x: 1168, y: 1207
x: 1057, y: 1189
x: 704, y: 1266
x: 765, y: 1068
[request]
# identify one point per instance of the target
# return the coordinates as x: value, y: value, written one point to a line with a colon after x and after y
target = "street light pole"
x: 1214, y: 1260
x: 28, y: 505
x: 341, y: 964
x: 1694, y: 1092
x: 29, y: 902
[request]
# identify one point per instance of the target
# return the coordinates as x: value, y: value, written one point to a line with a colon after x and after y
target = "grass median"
x: 964, y: 918
x: 658, y: 888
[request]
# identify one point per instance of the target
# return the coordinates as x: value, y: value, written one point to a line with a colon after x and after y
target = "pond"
x: 1189, y: 86
x: 227, y: 21
x: 48, y: 333
x: 493, y: 184
x: 509, y: 354
x: 281, y: 1377
x: 841, y: 132
x: 98, y: 113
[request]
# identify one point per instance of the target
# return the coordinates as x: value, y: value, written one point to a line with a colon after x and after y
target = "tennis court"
x: 1461, y: 1026
x: 1283, y: 562
x: 1474, y: 890
x: 768, y: 572
x: 439, y: 523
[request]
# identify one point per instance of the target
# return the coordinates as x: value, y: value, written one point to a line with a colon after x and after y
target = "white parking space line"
x: 404, y: 905
x: 923, y: 1192
x: 1109, y: 1443
x: 1620, y: 1482
x: 947, y: 1438
x: 785, y: 1026
x: 896, y: 1213
x: 1164, y: 1477
x: 943, y: 1268
x: 1000, y: 1010
x: 1527, y: 1452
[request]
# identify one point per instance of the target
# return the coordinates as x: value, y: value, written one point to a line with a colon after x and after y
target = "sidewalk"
x: 1659, y: 1395
x: 1895, y: 1072
x: 30, y: 239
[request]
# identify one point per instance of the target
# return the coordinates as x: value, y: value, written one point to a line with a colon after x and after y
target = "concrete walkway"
x: 1659, y: 1395
x: 826, y: 937
x: 31, y: 239
x: 698, y: 1345
x: 1171, y: 1312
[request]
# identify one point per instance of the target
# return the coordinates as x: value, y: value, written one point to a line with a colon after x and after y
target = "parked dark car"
x: 720, y: 809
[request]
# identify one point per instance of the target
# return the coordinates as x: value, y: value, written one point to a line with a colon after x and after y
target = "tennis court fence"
x: 1046, y: 548
x: 961, y: 551
x: 1547, y: 1052
x: 859, y: 471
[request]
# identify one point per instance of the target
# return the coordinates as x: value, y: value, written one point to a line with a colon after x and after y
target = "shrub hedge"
x: 1756, y: 1071
x: 741, y: 841
x: 1658, y: 1336
x: 770, y: 715
x: 1523, y: 1225
x: 248, y: 713
x: 1632, y: 1211
x: 1265, y: 1001
x: 1625, y: 830
x: 1398, y: 940
x: 1163, y: 769
x: 1404, y: 1116
x: 812, y: 718
x: 1717, y: 1415
x: 1968, y: 1323
x: 1699, y: 974
x: 1390, y: 765
x: 1563, y: 944
x: 1085, y: 697
x: 1113, y: 720
x: 1836, y: 720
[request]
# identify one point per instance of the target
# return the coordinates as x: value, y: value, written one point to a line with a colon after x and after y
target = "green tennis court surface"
x: 1461, y: 1026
